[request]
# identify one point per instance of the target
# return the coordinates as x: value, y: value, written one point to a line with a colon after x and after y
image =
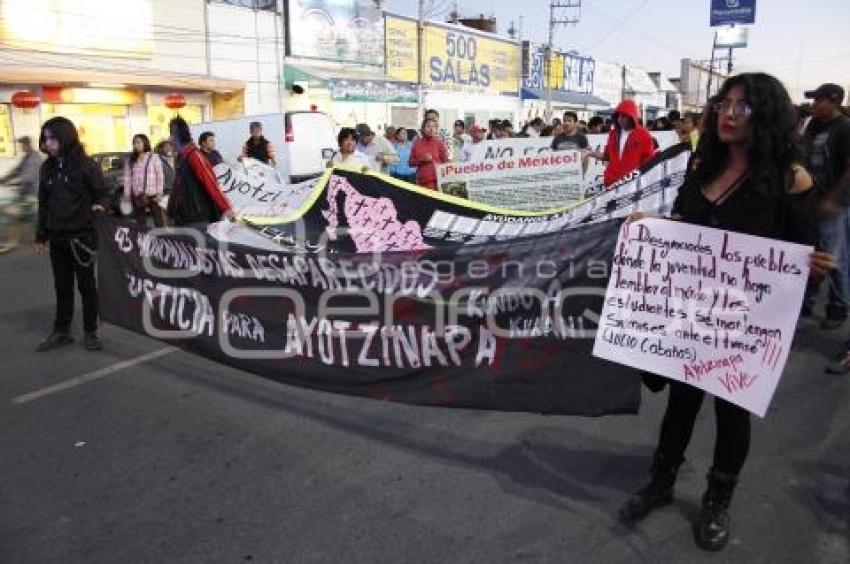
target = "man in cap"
x: 827, y: 143
x: 478, y: 134
x: 377, y: 149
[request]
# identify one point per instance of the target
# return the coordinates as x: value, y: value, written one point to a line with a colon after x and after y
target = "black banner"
x: 353, y: 212
x: 506, y: 325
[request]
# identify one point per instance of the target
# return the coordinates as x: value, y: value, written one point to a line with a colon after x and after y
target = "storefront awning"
x: 28, y: 74
x: 579, y: 99
x: 352, y: 84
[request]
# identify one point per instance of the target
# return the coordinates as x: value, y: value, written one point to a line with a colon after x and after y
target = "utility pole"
x: 420, y: 33
x: 711, y: 69
x: 561, y: 12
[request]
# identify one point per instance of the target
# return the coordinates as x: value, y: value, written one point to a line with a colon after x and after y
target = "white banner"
x: 710, y: 308
x: 504, y: 148
x: 256, y: 189
x: 530, y: 181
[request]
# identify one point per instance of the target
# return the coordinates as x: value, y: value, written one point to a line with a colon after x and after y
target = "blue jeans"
x: 834, y: 234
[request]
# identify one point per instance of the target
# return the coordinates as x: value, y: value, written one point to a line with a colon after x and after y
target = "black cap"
x: 831, y: 92
x: 363, y: 129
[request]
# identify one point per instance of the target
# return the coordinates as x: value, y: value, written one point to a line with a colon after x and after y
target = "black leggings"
x: 733, y: 428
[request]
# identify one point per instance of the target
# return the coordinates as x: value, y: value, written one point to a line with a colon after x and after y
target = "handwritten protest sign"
x: 531, y: 182
x: 710, y: 308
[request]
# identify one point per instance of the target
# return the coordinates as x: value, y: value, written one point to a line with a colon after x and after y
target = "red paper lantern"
x: 175, y: 101
x: 25, y: 100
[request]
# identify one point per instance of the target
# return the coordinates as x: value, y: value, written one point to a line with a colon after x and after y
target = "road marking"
x: 96, y: 375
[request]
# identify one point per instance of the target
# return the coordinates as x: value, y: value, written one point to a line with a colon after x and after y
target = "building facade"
x: 110, y: 66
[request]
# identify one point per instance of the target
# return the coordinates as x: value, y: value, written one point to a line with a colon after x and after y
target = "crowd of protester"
x: 758, y: 166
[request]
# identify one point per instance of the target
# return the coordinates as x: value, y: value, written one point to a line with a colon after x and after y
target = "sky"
x: 804, y: 44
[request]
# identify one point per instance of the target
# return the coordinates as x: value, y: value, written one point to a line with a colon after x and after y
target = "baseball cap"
x: 831, y: 92
x: 363, y: 129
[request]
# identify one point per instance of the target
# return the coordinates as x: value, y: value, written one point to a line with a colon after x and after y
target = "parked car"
x: 112, y: 166
x: 303, y: 141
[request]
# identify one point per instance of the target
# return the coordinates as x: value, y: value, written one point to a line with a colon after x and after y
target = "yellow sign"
x: 96, y: 27
x: 59, y: 95
x: 556, y: 72
x: 7, y: 144
x: 454, y: 59
x: 471, y: 62
x: 402, y: 47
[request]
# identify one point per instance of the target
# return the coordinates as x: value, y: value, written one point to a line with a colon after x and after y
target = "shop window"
x: 103, y: 128
x: 7, y: 143
x: 159, y: 116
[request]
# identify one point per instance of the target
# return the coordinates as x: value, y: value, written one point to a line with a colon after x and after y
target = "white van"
x: 303, y: 141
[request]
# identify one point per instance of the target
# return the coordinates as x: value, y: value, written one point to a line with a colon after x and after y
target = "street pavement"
x: 118, y: 457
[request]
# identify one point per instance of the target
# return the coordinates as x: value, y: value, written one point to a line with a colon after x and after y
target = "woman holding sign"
x: 743, y: 178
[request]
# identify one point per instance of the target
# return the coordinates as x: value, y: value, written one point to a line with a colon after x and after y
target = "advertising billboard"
x: 401, y: 49
x: 348, y: 31
x: 456, y: 59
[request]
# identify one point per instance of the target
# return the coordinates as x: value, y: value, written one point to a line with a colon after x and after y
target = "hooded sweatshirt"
x: 636, y: 151
x: 426, y: 172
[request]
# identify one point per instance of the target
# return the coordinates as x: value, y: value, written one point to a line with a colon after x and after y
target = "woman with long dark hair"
x: 71, y: 189
x: 144, y: 181
x: 744, y: 177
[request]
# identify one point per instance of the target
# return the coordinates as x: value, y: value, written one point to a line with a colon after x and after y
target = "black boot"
x: 657, y: 493
x: 91, y: 342
x: 54, y: 340
x: 714, y: 526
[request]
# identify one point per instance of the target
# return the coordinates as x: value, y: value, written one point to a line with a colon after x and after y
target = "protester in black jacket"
x: 71, y: 190
x: 745, y: 178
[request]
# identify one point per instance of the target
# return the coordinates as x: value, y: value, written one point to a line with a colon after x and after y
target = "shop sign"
x: 401, y: 49
x: 372, y: 91
x: 60, y: 95
x: 464, y: 61
x: 570, y: 72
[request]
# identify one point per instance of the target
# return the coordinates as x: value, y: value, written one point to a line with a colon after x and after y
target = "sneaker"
x: 54, y: 340
x: 840, y: 365
x: 91, y: 342
x: 831, y: 323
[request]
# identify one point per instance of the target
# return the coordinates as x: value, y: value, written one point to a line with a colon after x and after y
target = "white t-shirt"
x: 624, y: 136
x: 466, y: 151
x: 355, y: 159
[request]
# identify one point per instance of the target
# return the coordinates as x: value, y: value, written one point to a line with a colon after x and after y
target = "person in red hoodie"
x: 629, y: 144
x: 427, y: 153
